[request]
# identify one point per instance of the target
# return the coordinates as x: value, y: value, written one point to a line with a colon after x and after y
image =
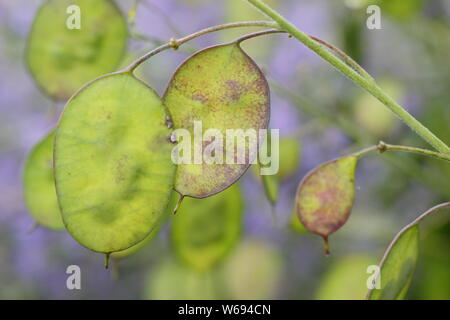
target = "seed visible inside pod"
x: 325, y: 197
x: 113, y: 171
x: 221, y: 88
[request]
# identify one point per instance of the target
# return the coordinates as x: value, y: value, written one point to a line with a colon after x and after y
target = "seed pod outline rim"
x: 131, y: 74
x: 27, y: 51
x: 237, y: 43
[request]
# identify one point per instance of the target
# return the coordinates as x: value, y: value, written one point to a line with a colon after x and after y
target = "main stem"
x: 367, y: 84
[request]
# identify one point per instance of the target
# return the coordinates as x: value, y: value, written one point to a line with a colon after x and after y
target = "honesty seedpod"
x: 399, y: 261
x: 222, y: 88
x: 398, y: 267
x: 205, y: 230
x: 113, y: 171
x: 325, y: 197
x: 39, y: 185
x: 40, y: 194
x: 62, y: 59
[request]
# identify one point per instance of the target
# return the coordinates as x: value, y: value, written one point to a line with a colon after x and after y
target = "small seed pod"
x: 325, y: 197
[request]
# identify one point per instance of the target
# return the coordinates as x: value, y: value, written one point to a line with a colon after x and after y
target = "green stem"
x: 389, y: 147
x: 347, y: 59
x: 363, y: 152
x: 107, y: 256
x: 176, y: 43
x: 257, y: 34
x: 367, y: 84
x: 383, y: 147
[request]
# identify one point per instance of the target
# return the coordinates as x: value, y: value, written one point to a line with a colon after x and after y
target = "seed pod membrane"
x: 113, y: 171
x: 325, y: 196
x: 222, y: 88
x: 62, y: 57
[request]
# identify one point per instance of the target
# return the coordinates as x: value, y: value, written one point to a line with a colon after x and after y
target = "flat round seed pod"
x: 39, y: 185
x: 62, y: 57
x: 325, y: 196
x: 219, y: 88
x: 113, y: 171
x: 205, y: 230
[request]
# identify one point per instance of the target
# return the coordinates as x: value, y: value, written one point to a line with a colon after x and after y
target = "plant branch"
x: 389, y: 147
x: 257, y: 34
x: 176, y: 43
x: 367, y: 84
x: 383, y: 147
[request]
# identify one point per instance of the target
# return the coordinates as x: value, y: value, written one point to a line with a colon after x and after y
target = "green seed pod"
x: 205, y: 230
x: 62, y: 58
x: 222, y: 88
x: 113, y: 171
x: 398, y: 267
x: 39, y: 185
x: 325, y: 197
x: 399, y: 261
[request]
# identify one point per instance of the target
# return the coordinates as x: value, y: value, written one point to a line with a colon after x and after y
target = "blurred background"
x: 321, y: 115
